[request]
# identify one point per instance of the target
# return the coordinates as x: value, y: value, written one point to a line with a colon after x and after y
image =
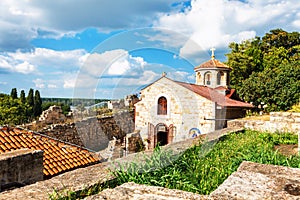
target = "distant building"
x: 170, y: 111
x: 127, y: 102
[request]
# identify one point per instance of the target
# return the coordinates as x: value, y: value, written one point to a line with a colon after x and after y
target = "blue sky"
x: 107, y: 49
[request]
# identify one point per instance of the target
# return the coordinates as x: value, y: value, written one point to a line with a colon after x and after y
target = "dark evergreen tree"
x: 30, y: 99
x: 37, y: 107
x: 30, y: 103
x: 22, y: 96
x: 14, y: 93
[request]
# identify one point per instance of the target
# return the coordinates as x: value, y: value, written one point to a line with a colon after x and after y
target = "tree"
x: 30, y: 102
x: 266, y: 70
x: 37, y: 107
x: 30, y: 99
x: 277, y: 88
x: 12, y: 111
x: 22, y: 97
x: 14, y: 93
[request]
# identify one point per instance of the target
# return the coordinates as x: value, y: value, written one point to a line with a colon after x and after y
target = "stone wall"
x: 93, y: 133
x: 52, y: 115
x: 279, y: 121
x: 20, y: 167
x: 64, y: 132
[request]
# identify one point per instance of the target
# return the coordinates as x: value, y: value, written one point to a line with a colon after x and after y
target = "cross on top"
x: 212, y: 53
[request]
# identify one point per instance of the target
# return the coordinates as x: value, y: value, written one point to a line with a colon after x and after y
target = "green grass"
x: 203, y: 173
x: 201, y: 168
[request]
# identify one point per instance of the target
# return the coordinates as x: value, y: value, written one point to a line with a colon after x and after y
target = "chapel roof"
x: 58, y: 156
x: 214, y: 95
x: 212, y: 63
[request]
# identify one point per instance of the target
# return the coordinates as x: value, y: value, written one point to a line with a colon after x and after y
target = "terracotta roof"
x: 213, y: 63
x: 58, y: 156
x: 229, y: 92
x: 214, y: 95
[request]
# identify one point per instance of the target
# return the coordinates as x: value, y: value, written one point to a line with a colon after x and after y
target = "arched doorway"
x: 161, y: 134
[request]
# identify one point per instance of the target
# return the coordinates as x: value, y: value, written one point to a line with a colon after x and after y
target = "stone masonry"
x: 279, y: 121
x: 52, y: 115
x: 20, y: 167
x: 93, y: 133
x: 186, y: 110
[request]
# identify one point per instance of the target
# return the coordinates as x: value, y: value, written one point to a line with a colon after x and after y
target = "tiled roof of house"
x: 213, y: 63
x: 214, y: 95
x: 58, y: 156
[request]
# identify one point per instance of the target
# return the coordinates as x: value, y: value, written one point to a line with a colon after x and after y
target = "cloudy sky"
x: 106, y: 49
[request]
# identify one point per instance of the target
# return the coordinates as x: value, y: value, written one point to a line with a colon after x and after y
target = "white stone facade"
x: 186, y: 111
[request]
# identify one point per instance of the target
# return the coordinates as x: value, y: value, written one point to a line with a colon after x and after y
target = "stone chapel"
x: 171, y: 111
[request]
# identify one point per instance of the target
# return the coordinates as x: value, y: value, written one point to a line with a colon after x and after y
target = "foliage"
x: 13, y: 111
x: 22, y: 97
x: 14, y: 93
x: 68, y: 194
x: 30, y: 99
x: 37, y: 104
x: 260, y: 69
x: 278, y: 87
x: 295, y: 108
x: 202, y: 173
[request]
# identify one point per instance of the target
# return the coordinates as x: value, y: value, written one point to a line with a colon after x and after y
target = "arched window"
x: 162, y: 106
x: 220, y: 78
x: 198, y: 78
x: 207, y: 80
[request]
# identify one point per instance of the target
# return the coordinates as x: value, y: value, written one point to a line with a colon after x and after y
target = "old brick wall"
x: 20, y: 167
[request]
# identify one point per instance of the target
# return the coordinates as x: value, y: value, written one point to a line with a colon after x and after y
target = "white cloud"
x: 69, y: 81
x: 52, y: 86
x: 114, y: 62
x: 22, y: 20
x: 39, y: 83
x: 10, y: 64
x: 40, y: 59
x: 216, y: 23
x: 126, y: 63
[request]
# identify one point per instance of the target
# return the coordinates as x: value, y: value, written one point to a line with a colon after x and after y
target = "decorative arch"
x: 207, y: 78
x: 162, y: 106
x: 161, y: 135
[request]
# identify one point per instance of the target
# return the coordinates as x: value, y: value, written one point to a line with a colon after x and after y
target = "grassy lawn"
x: 202, y: 173
x: 202, y: 168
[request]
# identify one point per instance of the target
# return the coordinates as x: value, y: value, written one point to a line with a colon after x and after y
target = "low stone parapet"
x: 20, y: 167
x: 279, y: 122
x: 260, y: 181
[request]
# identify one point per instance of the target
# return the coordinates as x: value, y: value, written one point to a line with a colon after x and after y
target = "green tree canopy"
x: 12, y: 111
x: 267, y: 70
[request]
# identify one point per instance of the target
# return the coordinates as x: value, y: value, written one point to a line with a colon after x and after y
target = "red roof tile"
x: 213, y: 63
x: 214, y: 95
x: 58, y: 156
